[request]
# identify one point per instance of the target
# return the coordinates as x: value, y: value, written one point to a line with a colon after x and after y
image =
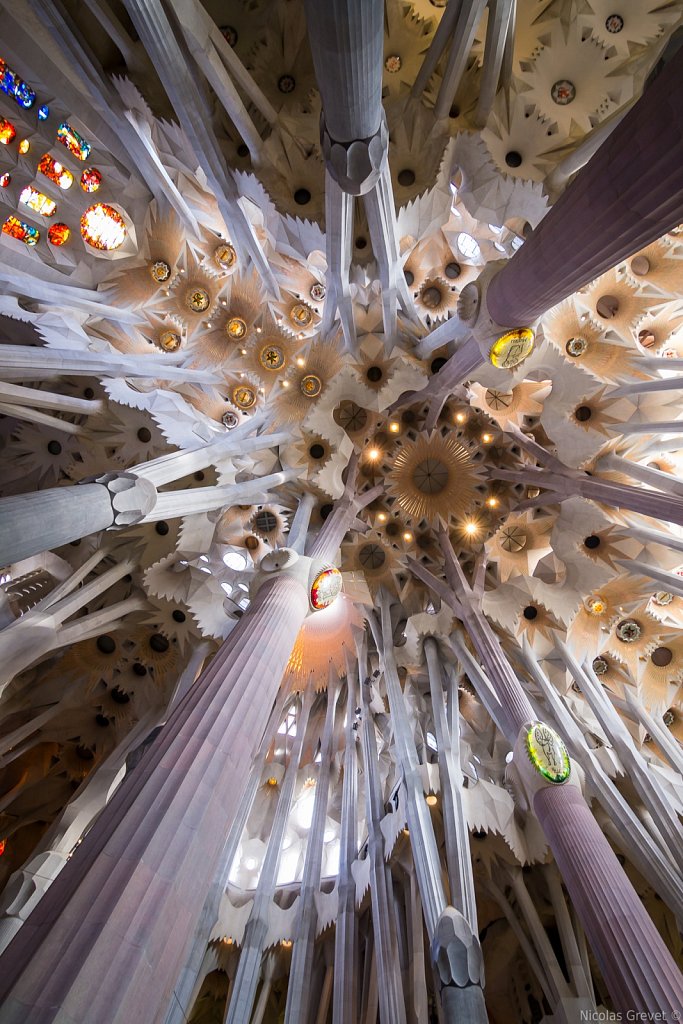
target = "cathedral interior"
x: 341, y: 511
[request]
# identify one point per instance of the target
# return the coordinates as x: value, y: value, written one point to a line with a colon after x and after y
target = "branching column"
x: 636, y: 964
x: 133, y: 892
x: 454, y: 942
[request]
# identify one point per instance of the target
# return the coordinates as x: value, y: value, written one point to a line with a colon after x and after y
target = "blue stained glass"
x: 11, y: 84
x: 43, y: 112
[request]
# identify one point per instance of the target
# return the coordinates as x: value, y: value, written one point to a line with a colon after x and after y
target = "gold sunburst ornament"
x: 434, y: 478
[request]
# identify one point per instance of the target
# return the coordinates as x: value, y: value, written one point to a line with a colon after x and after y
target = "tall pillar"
x: 298, y: 991
x: 345, y: 998
x: 133, y: 893
x: 617, y: 920
x: 457, y: 942
x: 347, y: 40
x: 629, y: 194
x: 638, y: 969
x: 241, y: 1004
x: 391, y: 997
x: 47, y: 519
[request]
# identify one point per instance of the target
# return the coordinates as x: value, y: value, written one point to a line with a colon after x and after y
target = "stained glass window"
x: 55, y: 171
x: 15, y: 87
x: 43, y: 112
x: 75, y: 143
x: 24, y: 232
x: 7, y: 131
x: 5, y: 179
x: 91, y: 179
x: 58, y: 234
x: 24, y: 146
x: 37, y: 201
x: 102, y: 227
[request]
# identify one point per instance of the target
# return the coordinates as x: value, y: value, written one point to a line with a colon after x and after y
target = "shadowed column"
x: 629, y: 194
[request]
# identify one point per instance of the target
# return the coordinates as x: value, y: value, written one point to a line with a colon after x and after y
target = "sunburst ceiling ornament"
x: 434, y: 478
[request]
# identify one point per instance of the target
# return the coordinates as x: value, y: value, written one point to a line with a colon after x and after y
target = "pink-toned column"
x: 626, y: 196
x: 638, y: 969
x: 108, y: 940
x: 619, y: 929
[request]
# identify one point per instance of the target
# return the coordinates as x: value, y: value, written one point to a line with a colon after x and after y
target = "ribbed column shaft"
x: 626, y: 196
x: 131, y: 895
x: 345, y: 998
x: 43, y: 520
x: 638, y: 969
x: 347, y: 39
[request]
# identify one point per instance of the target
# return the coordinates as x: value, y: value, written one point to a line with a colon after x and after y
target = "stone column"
x: 132, y: 894
x: 345, y: 998
x: 241, y: 1004
x: 298, y: 990
x: 617, y: 920
x: 629, y: 194
x: 462, y: 1004
x: 347, y: 40
x: 638, y: 969
x: 391, y: 996
x: 42, y: 520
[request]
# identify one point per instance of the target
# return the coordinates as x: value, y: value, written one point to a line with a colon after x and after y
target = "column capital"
x: 456, y: 952
x: 132, y: 497
x: 355, y: 164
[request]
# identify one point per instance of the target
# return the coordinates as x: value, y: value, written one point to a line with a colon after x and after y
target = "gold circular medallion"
x: 244, y: 397
x: 160, y: 271
x: 512, y: 348
x: 311, y: 385
x: 272, y: 357
x: 169, y: 341
x: 225, y: 255
x: 301, y: 315
x: 198, y: 300
x: 236, y: 328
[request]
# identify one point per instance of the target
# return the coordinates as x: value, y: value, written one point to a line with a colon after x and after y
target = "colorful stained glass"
x: 75, y: 143
x: 55, y: 171
x: 37, y: 201
x: 24, y: 147
x: 3, y: 844
x: 326, y: 587
x: 548, y: 753
x: 58, y: 234
x: 7, y: 132
x: 24, y: 232
x: 91, y: 179
x: 43, y: 112
x: 11, y: 84
x: 5, y: 179
x: 102, y: 227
